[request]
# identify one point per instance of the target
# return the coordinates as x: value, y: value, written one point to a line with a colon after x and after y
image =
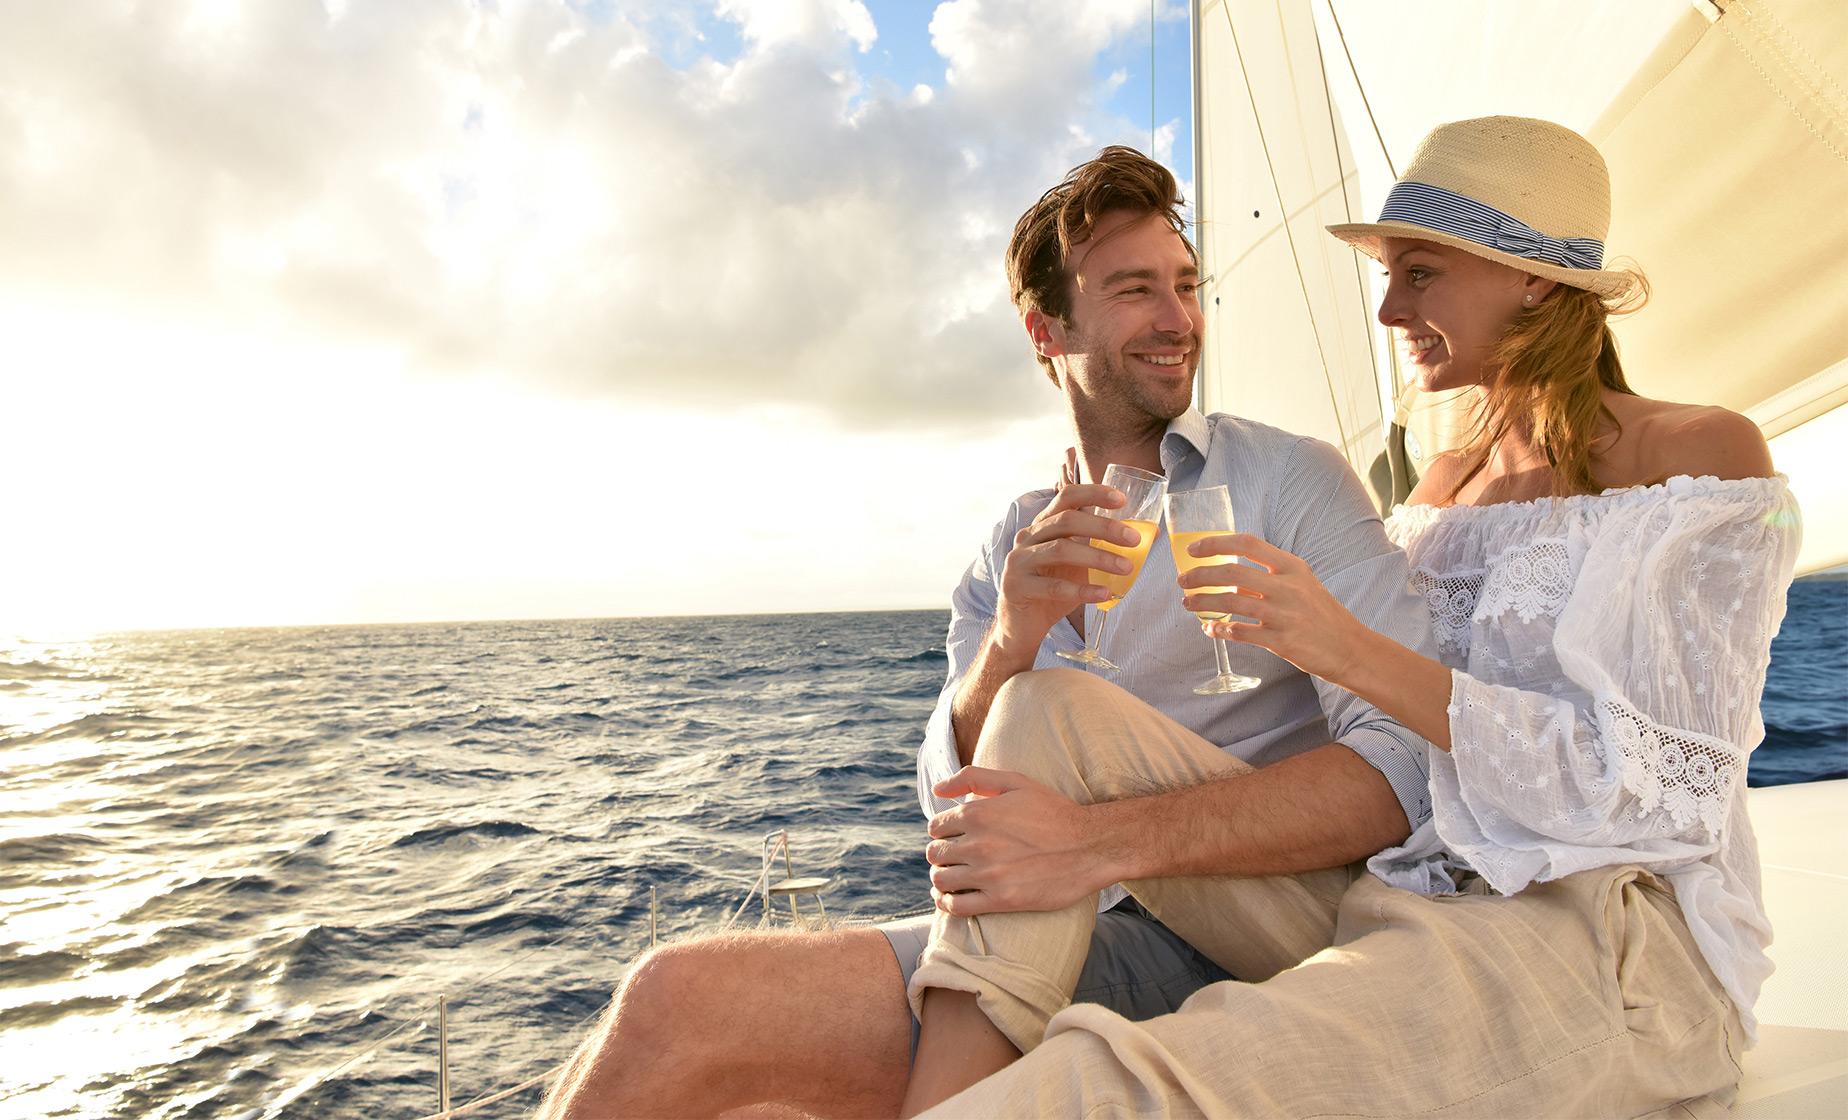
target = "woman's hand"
x: 1295, y: 616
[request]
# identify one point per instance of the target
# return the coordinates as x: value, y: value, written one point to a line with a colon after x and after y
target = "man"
x: 1108, y: 292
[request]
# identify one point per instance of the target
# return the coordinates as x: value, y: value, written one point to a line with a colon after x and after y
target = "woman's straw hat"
x: 1529, y: 194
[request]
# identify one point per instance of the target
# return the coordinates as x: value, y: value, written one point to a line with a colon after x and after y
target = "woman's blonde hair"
x: 1553, y: 365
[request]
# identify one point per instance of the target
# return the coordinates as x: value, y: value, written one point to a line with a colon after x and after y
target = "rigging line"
x: 763, y: 882
x: 1366, y: 104
x: 483, y: 1102
x: 1360, y: 275
x: 1151, y: 79
x: 1283, y: 212
x: 420, y: 1024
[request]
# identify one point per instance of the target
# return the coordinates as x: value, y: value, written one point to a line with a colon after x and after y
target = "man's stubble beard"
x: 1121, y: 406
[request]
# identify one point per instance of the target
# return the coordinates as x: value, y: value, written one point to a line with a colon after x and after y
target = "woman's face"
x: 1450, y: 308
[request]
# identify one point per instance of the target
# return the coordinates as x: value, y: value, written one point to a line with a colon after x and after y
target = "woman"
x: 1578, y: 930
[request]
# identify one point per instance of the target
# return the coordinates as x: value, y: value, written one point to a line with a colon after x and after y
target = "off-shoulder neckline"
x: 1681, y: 485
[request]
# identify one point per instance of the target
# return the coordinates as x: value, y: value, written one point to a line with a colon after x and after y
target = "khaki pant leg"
x: 1579, y: 998
x: 1094, y: 742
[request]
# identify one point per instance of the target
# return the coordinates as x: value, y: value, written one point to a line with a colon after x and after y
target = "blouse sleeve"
x: 1640, y: 756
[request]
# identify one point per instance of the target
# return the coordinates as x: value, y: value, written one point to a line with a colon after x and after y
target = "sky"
x: 351, y: 311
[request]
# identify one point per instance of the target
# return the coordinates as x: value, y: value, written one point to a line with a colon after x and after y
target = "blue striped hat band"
x: 1421, y: 204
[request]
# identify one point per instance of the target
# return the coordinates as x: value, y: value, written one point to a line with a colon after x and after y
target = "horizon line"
x: 17, y: 637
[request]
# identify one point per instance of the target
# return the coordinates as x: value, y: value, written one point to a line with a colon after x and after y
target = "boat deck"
x: 1799, y: 1070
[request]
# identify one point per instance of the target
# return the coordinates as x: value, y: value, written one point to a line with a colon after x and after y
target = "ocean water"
x: 1806, y: 690
x: 237, y: 867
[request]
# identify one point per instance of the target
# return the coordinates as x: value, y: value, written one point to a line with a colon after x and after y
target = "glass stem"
x: 1222, y: 656
x: 1094, y: 640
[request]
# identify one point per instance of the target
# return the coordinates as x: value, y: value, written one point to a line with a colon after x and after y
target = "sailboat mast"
x: 1199, y: 169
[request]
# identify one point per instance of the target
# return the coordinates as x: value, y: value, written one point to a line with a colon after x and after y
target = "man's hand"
x: 1044, y: 577
x: 1017, y: 845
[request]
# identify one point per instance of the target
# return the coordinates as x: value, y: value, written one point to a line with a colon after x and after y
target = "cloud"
x: 610, y: 199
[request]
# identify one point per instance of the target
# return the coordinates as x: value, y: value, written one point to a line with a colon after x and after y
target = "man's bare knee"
x: 681, y: 983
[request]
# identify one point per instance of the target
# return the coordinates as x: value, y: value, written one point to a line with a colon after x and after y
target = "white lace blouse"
x: 1607, y: 658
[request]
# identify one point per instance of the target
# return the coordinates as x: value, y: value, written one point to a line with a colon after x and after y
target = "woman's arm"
x: 1297, y: 619
x: 1406, y: 685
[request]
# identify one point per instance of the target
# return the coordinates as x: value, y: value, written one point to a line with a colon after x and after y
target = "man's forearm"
x: 995, y: 664
x: 1321, y: 808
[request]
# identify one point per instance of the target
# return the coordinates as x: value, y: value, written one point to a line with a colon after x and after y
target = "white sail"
x: 1725, y: 125
x: 1288, y: 340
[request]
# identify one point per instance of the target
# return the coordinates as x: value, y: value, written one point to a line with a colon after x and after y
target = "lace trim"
x: 1531, y: 580
x: 1688, y: 775
x: 1452, y: 601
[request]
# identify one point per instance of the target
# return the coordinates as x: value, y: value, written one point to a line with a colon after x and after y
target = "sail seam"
x: 1795, y: 111
x: 1788, y: 44
x: 1283, y: 214
x: 1347, y: 210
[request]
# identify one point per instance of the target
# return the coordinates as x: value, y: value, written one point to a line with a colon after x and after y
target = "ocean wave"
x: 193, y: 899
x: 53, y: 848
x: 1773, y: 773
x: 310, y: 854
x: 429, y: 725
x: 18, y: 966
x: 307, y: 954
x: 1818, y: 736
x: 44, y: 1014
x: 482, y: 830
x: 504, y: 723
x: 512, y: 920
x: 93, y: 725
x: 37, y: 671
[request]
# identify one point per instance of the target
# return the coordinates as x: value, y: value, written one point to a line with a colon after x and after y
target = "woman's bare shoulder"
x: 1438, y: 479
x: 1668, y: 439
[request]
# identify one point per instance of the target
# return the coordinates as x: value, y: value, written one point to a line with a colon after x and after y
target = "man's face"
x: 1133, y: 342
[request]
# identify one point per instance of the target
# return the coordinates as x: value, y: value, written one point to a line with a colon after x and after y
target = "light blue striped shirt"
x: 1292, y: 491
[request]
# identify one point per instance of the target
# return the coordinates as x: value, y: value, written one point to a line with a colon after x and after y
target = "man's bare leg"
x: 814, y: 1021
x: 957, y: 1046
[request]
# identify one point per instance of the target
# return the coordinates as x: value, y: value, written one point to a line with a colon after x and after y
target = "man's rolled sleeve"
x: 937, y: 757
x: 972, y: 613
x: 1400, y: 758
x: 1329, y: 521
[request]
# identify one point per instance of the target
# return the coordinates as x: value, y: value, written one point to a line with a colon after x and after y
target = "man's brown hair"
x: 1120, y: 179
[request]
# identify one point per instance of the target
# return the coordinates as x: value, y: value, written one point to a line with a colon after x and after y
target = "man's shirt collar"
x: 1188, y: 431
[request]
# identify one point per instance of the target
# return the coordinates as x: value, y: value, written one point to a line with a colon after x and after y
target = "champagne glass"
x: 1140, y: 512
x: 1195, y: 515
